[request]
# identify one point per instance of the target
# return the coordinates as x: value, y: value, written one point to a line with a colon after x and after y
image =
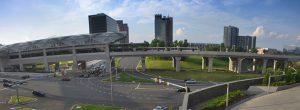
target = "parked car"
x: 160, y: 108
x: 183, y: 90
x: 86, y: 76
x: 81, y: 75
x: 191, y: 81
x: 25, y: 77
x: 38, y: 93
x: 65, y: 79
x: 7, y: 85
x: 6, y: 81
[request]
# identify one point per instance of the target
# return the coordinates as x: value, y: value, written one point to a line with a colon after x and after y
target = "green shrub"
x: 221, y: 101
x: 288, y: 77
x: 279, y: 83
x: 266, y: 79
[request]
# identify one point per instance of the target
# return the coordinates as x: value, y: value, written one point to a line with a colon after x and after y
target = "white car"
x: 191, y: 81
x: 160, y: 108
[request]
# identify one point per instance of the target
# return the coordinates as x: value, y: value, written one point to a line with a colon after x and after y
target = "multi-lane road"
x: 62, y: 95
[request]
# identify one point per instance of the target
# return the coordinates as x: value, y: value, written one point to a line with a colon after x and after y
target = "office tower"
x: 230, y: 36
x: 164, y: 29
x: 102, y: 23
x: 123, y: 27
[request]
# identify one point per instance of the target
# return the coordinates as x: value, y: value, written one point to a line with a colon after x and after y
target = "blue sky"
x: 274, y: 22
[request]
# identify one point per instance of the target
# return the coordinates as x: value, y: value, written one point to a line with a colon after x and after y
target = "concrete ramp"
x: 129, y: 62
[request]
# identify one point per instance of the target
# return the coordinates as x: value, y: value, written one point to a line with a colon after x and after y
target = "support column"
x: 239, y: 65
x: 210, y: 64
x: 143, y: 64
x: 177, y: 63
x: 264, y: 66
x: 230, y: 67
x: 173, y: 62
x: 203, y: 62
x: 75, y: 66
x: 1, y: 66
x: 274, y: 65
x: 254, y: 64
x: 46, y: 61
x: 21, y: 67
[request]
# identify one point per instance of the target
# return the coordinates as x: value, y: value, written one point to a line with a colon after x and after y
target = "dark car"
x: 86, y: 76
x: 25, y: 77
x: 6, y: 81
x: 65, y: 79
x: 81, y: 75
x: 183, y: 90
x: 38, y: 93
x: 7, y: 85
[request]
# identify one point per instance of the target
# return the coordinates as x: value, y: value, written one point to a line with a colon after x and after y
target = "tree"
x: 180, y: 44
x: 154, y: 43
x: 175, y: 43
x: 146, y: 44
x: 185, y: 43
x: 161, y: 43
x: 253, y: 50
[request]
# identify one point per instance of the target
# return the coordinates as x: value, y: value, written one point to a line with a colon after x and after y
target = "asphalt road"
x: 132, y: 96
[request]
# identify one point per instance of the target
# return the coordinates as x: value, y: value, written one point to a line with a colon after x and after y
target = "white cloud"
x: 298, y: 38
x: 259, y: 31
x: 180, y: 32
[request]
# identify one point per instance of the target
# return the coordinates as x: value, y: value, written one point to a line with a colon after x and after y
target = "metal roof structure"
x: 65, y: 41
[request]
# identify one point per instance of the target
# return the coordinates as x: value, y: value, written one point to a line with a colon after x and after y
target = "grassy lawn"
x: 124, y: 77
x: 95, y: 107
x: 22, y: 99
x: 191, y: 69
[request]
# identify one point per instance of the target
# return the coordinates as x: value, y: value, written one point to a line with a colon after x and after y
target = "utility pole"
x: 17, y: 90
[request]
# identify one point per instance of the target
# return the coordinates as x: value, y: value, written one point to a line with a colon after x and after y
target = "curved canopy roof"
x: 64, y: 41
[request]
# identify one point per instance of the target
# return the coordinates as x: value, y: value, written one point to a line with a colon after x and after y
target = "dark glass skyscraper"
x: 123, y: 27
x: 102, y: 23
x: 164, y: 29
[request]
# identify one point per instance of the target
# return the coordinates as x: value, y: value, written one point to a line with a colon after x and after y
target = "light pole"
x: 111, y: 85
x: 17, y: 90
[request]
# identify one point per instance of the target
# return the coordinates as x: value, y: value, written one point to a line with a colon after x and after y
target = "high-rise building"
x: 102, y: 23
x: 230, y: 36
x: 123, y: 27
x: 246, y: 42
x: 164, y: 29
x: 232, y: 40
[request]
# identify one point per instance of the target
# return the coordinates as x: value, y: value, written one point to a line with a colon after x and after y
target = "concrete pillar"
x: 143, y: 64
x: 108, y: 59
x: 264, y: 66
x: 285, y: 64
x: 75, y: 66
x: 254, y: 64
x: 46, y: 61
x: 210, y: 64
x: 274, y: 65
x: 239, y: 65
x: 230, y: 65
x: 173, y: 62
x: 177, y: 63
x: 21, y: 67
x: 1, y: 66
x: 203, y: 62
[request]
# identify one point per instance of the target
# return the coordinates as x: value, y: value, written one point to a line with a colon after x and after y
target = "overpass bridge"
x: 238, y: 61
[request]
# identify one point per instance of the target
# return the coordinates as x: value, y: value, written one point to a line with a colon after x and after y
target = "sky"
x: 274, y: 22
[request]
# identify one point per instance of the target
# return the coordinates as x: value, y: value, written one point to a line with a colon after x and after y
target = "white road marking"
x: 169, y: 89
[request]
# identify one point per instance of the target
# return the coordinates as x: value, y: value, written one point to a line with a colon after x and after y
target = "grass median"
x: 22, y: 99
x: 191, y: 69
x: 95, y: 107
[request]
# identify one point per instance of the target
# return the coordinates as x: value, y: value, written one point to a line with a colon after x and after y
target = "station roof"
x: 65, y: 41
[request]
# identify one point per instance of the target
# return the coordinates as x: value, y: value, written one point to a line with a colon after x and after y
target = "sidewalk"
x: 282, y: 100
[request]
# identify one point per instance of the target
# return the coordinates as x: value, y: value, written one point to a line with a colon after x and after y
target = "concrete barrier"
x: 201, y: 95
